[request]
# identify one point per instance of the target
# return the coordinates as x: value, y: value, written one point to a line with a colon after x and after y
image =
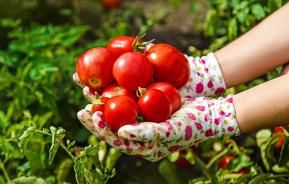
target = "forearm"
x: 258, y: 51
x: 264, y: 106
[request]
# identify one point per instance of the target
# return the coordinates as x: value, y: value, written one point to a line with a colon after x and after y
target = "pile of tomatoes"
x: 135, y: 81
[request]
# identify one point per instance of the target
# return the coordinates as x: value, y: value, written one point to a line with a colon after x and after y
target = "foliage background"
x: 40, y: 43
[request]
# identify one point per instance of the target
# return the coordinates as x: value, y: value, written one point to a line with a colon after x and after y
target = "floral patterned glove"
x: 199, y: 119
x: 206, y: 77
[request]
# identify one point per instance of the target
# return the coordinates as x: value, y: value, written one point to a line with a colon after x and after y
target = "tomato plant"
x: 170, y: 65
x: 132, y: 70
x: 155, y: 106
x: 94, y: 67
x: 120, y: 110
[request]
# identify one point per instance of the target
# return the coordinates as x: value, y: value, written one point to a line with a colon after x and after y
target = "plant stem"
x: 217, y: 157
x: 4, y: 172
x: 61, y: 144
x: 67, y: 151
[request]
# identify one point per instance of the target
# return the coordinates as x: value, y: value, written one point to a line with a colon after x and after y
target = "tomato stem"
x: 140, y: 91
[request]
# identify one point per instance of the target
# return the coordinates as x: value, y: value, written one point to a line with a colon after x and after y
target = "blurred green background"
x: 40, y: 41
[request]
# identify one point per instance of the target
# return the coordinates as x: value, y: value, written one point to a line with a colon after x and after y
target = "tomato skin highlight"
x: 132, y: 70
x: 94, y: 67
x: 120, y: 45
x: 171, y: 92
x: 119, y: 111
x: 170, y: 65
x: 279, y: 130
x: 155, y: 106
x: 115, y: 90
x: 225, y: 161
x: 111, y: 4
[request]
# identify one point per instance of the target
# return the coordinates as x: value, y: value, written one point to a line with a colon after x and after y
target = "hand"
x: 199, y: 119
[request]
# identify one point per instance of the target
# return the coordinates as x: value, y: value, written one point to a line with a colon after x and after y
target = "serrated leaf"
x: 57, y: 138
x: 25, y: 136
x: 79, y: 170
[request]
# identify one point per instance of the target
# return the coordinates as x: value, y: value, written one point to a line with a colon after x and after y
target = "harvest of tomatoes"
x: 133, y: 82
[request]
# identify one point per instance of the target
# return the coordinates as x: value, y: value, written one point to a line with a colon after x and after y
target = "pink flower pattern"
x: 206, y: 77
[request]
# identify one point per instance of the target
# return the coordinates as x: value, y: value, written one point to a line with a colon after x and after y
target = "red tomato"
x: 183, y: 162
x: 170, y: 65
x: 94, y: 67
x: 155, y: 106
x: 225, y: 161
x: 171, y: 92
x: 119, y: 111
x: 279, y: 130
x: 111, y: 4
x: 120, y: 45
x: 97, y: 107
x: 132, y: 70
x: 243, y: 171
x: 115, y: 90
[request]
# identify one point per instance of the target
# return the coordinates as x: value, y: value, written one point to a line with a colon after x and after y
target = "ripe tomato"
x: 119, y: 111
x: 132, y: 70
x: 279, y: 130
x: 171, y: 92
x: 97, y: 107
x: 243, y: 171
x: 225, y: 161
x: 94, y: 67
x: 115, y: 90
x: 111, y: 4
x: 155, y: 106
x: 170, y: 65
x: 120, y: 45
x: 183, y: 162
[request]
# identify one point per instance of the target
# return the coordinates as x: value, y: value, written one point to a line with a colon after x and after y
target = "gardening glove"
x: 206, y: 78
x: 198, y: 120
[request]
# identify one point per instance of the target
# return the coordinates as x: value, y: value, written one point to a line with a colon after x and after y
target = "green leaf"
x: 262, y: 138
x: 284, y: 154
x: 63, y: 170
x: 169, y: 172
x: 274, y: 5
x: 211, y: 23
x: 258, y: 11
x: 112, y: 158
x: 25, y: 136
x: 79, y: 167
x: 28, y: 180
x: 260, y: 178
x: 232, y: 29
x: 57, y: 138
x: 242, y: 161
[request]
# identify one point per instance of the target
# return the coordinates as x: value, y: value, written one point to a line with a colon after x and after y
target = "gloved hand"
x: 199, y: 119
x: 206, y: 77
